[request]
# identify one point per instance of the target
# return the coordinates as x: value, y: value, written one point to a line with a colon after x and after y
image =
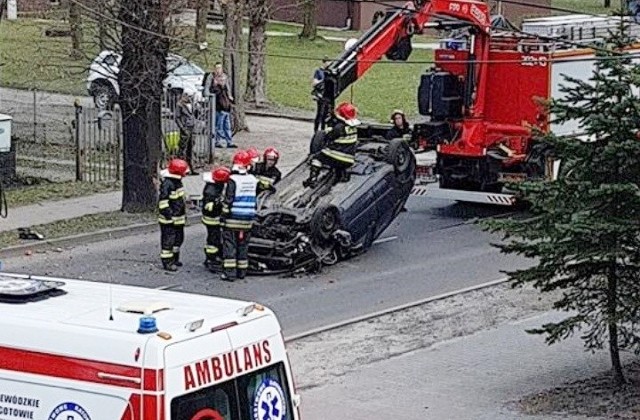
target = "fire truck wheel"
x: 317, y: 142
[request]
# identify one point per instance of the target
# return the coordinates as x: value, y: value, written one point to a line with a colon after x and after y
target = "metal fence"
x: 98, y: 144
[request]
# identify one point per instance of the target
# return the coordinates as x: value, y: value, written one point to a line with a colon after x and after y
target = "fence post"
x: 35, y: 116
x: 212, y: 125
x: 78, y: 109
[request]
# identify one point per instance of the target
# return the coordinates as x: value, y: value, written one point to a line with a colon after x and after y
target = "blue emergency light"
x: 147, y: 325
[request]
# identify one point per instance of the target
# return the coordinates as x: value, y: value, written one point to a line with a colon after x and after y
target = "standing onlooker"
x: 318, y: 95
x: 218, y: 84
x: 186, y: 122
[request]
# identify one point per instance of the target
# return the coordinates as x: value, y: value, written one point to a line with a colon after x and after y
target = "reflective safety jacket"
x: 240, y: 201
x: 342, y: 138
x: 212, y: 197
x: 171, y: 202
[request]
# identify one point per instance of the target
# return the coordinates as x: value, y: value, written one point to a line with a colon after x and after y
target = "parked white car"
x: 102, y: 82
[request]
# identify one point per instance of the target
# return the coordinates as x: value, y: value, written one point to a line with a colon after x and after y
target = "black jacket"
x: 397, y: 132
x: 267, y: 177
x: 212, y: 198
x: 171, y: 202
x: 342, y: 138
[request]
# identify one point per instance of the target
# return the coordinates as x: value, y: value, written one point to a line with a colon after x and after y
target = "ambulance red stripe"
x: 85, y: 370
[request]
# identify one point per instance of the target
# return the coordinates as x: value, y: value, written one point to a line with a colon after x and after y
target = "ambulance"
x: 79, y: 350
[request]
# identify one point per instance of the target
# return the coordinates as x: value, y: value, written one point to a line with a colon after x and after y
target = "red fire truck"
x: 483, y: 97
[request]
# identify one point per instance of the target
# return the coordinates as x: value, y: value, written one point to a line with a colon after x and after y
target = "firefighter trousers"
x: 171, y: 239
x: 214, y: 243
x: 235, y: 249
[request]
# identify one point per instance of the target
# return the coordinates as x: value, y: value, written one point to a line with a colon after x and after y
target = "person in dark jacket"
x: 186, y: 122
x: 212, y: 198
x: 238, y: 214
x: 400, y: 126
x: 266, y: 172
x: 220, y: 86
x: 172, y: 217
x: 341, y: 143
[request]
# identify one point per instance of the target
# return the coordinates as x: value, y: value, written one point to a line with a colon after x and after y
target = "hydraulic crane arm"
x: 391, y: 36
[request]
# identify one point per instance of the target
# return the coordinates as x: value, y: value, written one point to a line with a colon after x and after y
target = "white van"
x: 78, y: 350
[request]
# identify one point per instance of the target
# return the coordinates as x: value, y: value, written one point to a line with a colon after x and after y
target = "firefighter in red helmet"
x: 238, y: 214
x: 341, y: 142
x: 266, y: 171
x: 212, y: 197
x: 172, y: 218
x: 254, y: 154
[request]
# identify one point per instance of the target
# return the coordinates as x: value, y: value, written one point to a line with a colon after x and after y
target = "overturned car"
x: 304, y: 227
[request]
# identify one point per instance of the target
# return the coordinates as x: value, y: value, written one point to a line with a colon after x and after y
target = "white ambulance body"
x: 78, y: 350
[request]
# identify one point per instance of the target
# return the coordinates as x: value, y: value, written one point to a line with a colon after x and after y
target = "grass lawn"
x: 32, y: 60
x: 587, y: 6
x: 58, y: 191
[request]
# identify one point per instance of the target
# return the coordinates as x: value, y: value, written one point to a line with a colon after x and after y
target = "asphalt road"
x: 437, y: 250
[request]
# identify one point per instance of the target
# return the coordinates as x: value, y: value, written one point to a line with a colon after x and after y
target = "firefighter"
x: 212, y: 197
x: 266, y: 171
x: 239, y: 210
x: 341, y: 141
x: 172, y: 218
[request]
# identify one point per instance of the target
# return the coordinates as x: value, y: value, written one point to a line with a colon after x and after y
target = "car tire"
x: 318, y: 142
x: 400, y: 156
x: 104, y: 96
x: 324, y: 222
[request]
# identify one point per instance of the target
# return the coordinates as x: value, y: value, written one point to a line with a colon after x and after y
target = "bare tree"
x: 143, y: 67
x: 258, y: 17
x: 233, y: 13
x: 3, y: 7
x: 310, y: 27
x: 202, y: 10
x: 75, y: 25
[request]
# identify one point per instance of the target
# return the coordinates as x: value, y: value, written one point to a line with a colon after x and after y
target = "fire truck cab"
x: 74, y: 349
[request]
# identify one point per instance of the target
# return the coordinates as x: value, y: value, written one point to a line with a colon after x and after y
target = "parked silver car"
x: 102, y: 81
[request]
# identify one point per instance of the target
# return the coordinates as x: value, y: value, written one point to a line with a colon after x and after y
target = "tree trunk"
x: 231, y: 61
x: 612, y: 306
x: 256, y: 75
x: 309, y: 28
x: 75, y: 25
x: 141, y: 73
x: 3, y: 7
x: 202, y: 10
x: 607, y: 3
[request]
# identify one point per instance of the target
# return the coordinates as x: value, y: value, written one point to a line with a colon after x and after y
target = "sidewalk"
x: 292, y: 143
x: 478, y: 377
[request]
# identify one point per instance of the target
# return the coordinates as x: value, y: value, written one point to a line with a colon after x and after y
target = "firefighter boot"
x: 176, y: 259
x: 314, y: 172
x: 168, y: 265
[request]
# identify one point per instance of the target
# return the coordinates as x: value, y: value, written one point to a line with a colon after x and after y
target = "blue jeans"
x: 223, y: 128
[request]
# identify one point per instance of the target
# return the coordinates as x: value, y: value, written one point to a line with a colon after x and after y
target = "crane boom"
x: 391, y: 36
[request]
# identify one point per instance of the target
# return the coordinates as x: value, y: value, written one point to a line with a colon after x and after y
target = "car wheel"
x: 317, y: 142
x: 324, y: 223
x: 399, y: 155
x: 104, y: 96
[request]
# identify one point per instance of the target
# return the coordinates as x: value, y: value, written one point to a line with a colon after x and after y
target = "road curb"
x: 267, y: 114
x: 394, y: 309
x: 86, y: 238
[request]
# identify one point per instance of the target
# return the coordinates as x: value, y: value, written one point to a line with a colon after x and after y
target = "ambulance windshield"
x: 263, y: 394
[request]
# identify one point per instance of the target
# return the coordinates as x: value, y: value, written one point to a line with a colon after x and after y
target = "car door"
x: 385, y: 201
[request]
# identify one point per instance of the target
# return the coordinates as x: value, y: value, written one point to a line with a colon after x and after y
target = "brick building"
x: 359, y: 15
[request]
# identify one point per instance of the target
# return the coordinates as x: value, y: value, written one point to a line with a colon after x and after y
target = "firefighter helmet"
x: 254, y: 154
x: 271, y: 153
x: 178, y: 167
x: 221, y: 175
x: 242, y: 159
x: 348, y: 113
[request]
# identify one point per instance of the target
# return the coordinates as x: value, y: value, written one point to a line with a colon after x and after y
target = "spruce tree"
x: 584, y: 228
